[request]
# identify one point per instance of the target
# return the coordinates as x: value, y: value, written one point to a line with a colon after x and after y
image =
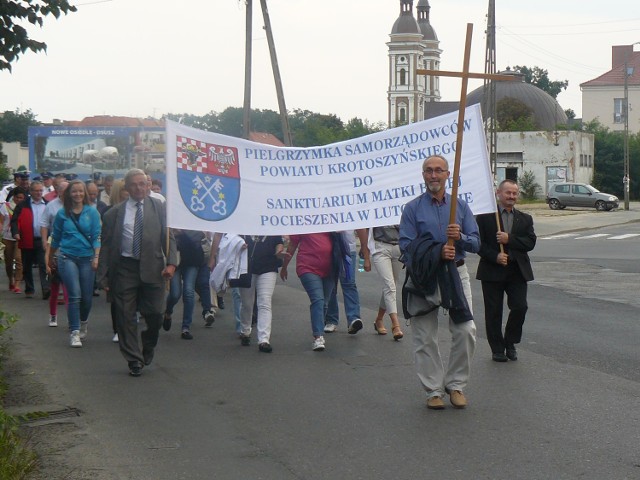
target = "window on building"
x: 403, y: 116
x: 618, y: 110
x: 403, y: 76
x: 582, y: 160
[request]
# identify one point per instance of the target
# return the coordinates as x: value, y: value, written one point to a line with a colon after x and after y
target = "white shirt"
x: 38, y: 213
x: 49, y: 215
x: 127, y: 228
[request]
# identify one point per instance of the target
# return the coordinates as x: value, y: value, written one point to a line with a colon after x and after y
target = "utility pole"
x: 626, y: 133
x: 246, y: 112
x: 489, y: 97
x: 286, y: 132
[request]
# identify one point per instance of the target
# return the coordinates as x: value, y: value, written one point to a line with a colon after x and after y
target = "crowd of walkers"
x: 83, y: 239
x: 60, y: 224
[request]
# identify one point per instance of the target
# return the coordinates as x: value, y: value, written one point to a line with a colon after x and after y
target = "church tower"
x: 431, y: 56
x: 406, y: 94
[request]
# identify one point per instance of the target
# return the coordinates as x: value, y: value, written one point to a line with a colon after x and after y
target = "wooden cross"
x: 465, y: 75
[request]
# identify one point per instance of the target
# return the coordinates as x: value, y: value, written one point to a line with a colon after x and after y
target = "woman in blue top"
x: 76, y: 232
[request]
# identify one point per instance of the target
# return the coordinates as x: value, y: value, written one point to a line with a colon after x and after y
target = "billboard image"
x: 87, y: 151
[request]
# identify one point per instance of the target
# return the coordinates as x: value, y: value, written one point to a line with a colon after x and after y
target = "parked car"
x: 562, y: 195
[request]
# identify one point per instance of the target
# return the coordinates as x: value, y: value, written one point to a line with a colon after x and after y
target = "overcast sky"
x: 151, y: 57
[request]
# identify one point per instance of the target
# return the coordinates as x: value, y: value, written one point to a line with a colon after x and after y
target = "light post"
x: 627, y: 179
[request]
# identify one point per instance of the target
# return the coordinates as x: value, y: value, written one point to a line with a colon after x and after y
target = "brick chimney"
x: 620, y: 53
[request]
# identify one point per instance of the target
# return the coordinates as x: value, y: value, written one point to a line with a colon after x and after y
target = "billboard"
x: 87, y: 151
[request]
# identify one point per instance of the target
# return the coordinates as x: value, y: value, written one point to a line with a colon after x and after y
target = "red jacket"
x: 22, y: 224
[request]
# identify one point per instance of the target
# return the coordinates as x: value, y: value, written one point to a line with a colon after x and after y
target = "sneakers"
x: 53, y: 321
x: 330, y: 328
x: 17, y: 290
x: 84, y: 328
x: 74, y: 339
x: 245, y: 340
x: 209, y: 317
x: 115, y: 338
x: 265, y: 347
x: 186, y: 335
x: 135, y: 369
x: 457, y: 399
x: 355, y: 326
x: 318, y: 344
x: 435, y: 403
x: 220, y: 302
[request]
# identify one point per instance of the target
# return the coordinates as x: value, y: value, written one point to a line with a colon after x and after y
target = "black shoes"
x: 135, y: 369
x: 221, y: 303
x: 166, y: 322
x: 512, y: 354
x: 499, y: 357
x: 147, y: 354
x: 245, y: 341
x: 265, y: 347
x: 186, y: 335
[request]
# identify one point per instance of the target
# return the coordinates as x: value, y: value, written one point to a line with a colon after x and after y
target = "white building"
x: 603, y: 97
x: 551, y: 155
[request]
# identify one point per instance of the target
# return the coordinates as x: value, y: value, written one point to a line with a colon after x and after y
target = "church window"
x: 403, y: 76
x: 402, y: 116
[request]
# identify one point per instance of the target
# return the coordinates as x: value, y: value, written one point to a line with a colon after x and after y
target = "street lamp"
x: 626, y: 179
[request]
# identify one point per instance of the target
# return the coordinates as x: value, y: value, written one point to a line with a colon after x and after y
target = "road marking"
x: 622, y: 237
x: 595, y: 235
x: 561, y: 235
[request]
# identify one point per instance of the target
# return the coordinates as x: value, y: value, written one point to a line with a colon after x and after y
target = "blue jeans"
x: 183, y: 283
x: 202, y: 288
x: 349, y: 294
x: 319, y: 290
x: 78, y: 277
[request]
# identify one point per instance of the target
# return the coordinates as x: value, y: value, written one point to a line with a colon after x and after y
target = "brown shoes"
x: 457, y: 399
x: 435, y: 403
x: 397, y: 333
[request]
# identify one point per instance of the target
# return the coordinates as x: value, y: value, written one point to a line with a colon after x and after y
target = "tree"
x: 15, y: 38
x: 540, y: 78
x: 515, y: 116
x: 4, y: 170
x: 14, y: 126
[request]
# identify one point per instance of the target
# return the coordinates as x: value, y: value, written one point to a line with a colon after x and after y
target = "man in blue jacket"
x: 429, y: 214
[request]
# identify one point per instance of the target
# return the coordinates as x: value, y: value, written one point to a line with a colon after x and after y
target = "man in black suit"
x: 505, y: 268
x: 134, y: 263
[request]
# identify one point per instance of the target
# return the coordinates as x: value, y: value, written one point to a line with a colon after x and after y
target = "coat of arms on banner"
x: 208, y: 178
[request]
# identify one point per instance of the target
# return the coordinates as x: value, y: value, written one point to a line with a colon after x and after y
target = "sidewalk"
x: 548, y: 222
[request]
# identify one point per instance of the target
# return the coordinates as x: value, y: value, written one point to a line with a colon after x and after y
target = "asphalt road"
x: 209, y: 408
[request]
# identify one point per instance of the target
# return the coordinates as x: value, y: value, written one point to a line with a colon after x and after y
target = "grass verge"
x: 17, y: 461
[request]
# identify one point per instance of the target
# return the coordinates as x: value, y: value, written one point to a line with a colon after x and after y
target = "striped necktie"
x: 137, y: 231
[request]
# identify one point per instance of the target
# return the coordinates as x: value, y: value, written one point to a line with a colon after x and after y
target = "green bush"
x: 528, y: 186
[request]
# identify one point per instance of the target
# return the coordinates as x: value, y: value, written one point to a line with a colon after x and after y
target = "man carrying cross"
x: 427, y: 216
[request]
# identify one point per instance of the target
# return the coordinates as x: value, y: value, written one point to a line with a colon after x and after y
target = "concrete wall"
x: 572, y: 158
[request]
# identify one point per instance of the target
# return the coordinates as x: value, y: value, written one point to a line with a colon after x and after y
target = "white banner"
x: 227, y: 184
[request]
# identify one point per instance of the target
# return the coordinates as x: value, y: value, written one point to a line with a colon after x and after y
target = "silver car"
x: 562, y: 195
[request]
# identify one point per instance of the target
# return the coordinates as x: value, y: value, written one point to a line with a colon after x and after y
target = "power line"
x: 574, y: 24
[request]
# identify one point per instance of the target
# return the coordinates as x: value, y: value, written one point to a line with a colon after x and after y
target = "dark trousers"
x: 130, y: 294
x: 493, y: 294
x: 31, y: 256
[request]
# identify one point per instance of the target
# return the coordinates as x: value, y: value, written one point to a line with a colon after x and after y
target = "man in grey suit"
x: 134, y: 265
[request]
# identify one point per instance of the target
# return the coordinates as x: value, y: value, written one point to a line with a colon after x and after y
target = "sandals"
x: 379, y: 327
x: 397, y: 333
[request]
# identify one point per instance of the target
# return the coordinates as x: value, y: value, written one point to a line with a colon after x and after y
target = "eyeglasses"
x: 437, y: 171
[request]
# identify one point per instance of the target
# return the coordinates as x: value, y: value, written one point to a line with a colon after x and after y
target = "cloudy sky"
x: 151, y: 57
